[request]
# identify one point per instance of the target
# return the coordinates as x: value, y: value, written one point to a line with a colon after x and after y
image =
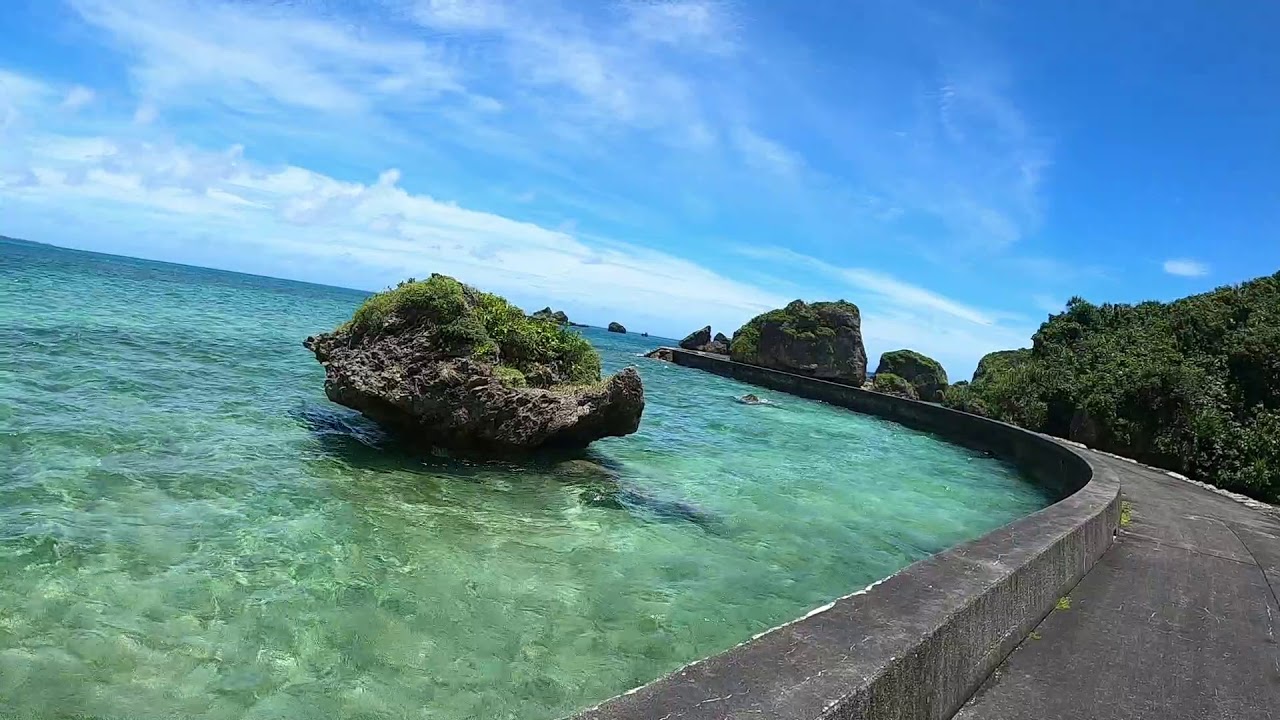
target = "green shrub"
x: 801, y: 320
x: 473, y: 323
x: 1192, y: 385
x: 893, y: 385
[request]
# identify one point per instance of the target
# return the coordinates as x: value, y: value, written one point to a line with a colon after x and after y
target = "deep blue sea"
x: 189, y: 529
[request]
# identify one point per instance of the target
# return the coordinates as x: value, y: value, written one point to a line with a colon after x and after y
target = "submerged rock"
x: 616, y: 327
x: 447, y: 366
x: 922, y: 372
x: 822, y: 340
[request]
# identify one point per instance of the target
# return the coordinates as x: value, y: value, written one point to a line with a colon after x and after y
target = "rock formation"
x: 696, y: 339
x: 887, y: 382
x: 701, y: 341
x: 447, y: 366
x: 617, y: 327
x: 822, y: 340
x: 923, y: 373
x: 556, y: 316
x: 718, y: 345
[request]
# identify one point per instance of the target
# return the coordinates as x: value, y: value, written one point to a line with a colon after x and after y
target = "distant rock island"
x: 616, y: 327
x: 822, y: 340
x: 447, y: 366
x: 555, y: 316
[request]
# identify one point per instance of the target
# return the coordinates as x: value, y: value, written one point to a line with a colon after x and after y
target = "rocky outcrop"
x: 887, y: 382
x: 701, y: 341
x: 718, y: 345
x: 923, y: 373
x: 663, y: 354
x: 555, y: 316
x: 617, y: 327
x: 696, y: 339
x: 822, y: 340
x: 424, y: 362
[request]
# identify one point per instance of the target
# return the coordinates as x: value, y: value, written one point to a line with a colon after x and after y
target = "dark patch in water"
x: 359, y: 442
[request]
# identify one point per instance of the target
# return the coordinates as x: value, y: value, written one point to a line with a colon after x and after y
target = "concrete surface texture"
x: 1179, y: 620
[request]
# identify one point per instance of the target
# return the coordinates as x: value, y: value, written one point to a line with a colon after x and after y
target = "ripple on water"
x: 189, y: 529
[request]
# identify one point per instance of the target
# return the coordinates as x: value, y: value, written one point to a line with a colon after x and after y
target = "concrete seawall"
x: 919, y: 643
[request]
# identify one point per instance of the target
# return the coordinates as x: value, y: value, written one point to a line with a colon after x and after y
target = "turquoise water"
x: 189, y: 529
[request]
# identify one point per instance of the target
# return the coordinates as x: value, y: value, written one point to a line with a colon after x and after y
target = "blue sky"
x: 957, y: 169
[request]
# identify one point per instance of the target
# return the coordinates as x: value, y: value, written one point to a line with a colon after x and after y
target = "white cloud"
x: 380, y: 226
x: 1183, y: 267
x: 145, y: 114
x: 77, y: 97
x: 690, y: 24
x: 251, y: 57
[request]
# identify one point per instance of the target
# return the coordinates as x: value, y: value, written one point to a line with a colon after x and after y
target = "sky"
x: 956, y: 169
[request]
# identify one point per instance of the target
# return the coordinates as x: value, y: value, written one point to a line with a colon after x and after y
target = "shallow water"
x: 189, y: 529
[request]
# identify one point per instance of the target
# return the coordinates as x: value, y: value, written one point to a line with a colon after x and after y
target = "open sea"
x: 189, y: 529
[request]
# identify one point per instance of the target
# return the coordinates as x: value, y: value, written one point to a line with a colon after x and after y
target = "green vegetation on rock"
x: 1192, y: 385
x: 893, y: 385
x: 822, y: 339
x: 468, y: 322
x: 922, y: 372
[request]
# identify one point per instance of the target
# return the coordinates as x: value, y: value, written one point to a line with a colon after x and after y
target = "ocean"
x: 188, y: 528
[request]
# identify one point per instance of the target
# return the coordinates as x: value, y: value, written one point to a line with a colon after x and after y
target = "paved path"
x: 1179, y: 620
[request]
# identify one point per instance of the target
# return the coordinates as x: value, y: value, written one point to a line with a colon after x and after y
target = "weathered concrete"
x: 1179, y: 620
x: 918, y: 644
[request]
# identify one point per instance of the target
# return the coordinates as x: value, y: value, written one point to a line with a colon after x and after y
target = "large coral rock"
x: 923, y: 373
x: 822, y: 340
x: 449, y: 367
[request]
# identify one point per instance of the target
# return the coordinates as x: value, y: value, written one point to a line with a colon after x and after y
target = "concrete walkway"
x: 1179, y: 620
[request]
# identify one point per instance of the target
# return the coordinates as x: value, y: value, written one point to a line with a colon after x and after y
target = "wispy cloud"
x: 1183, y: 267
x: 765, y: 154
x: 378, y: 226
x: 253, y: 57
x: 77, y: 97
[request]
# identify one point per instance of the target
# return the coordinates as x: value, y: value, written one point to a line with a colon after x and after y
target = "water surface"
x: 188, y: 528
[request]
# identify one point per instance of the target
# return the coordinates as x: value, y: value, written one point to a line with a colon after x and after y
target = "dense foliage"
x: 1192, y: 385
x: 887, y: 382
x: 922, y: 372
x: 798, y: 319
x: 467, y: 322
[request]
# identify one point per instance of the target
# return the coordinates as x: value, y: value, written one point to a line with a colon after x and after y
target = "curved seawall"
x: 919, y: 643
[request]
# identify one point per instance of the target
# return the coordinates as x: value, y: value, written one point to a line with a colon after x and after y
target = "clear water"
x: 189, y: 529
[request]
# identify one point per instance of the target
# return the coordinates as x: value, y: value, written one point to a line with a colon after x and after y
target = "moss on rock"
x: 893, y: 385
x: 924, y: 373
x: 464, y: 322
